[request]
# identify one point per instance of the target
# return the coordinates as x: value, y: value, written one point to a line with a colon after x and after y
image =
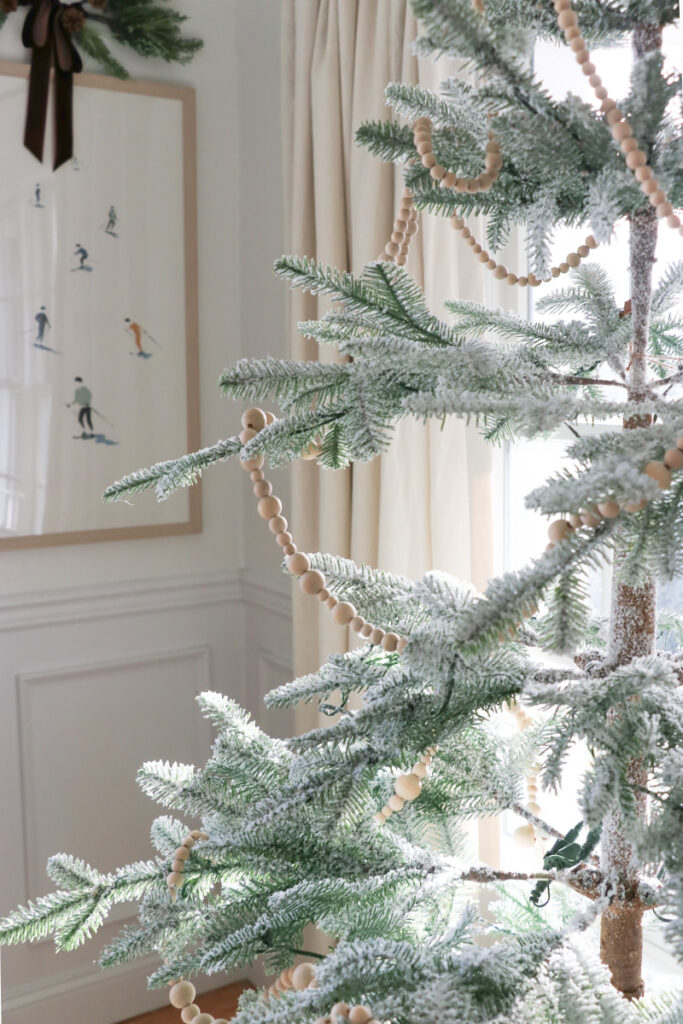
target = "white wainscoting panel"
x: 93, y: 683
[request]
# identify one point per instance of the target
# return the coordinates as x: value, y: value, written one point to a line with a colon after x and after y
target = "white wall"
x: 103, y: 646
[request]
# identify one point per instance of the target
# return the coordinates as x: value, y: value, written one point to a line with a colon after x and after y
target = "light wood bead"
x: 323, y: 595
x: 636, y: 158
x: 589, y: 519
x: 465, y: 231
x: 522, y: 281
x: 573, y: 32
x: 400, y: 225
x: 511, y: 279
x: 302, y: 976
x: 564, y: 267
x: 390, y: 642
x: 376, y: 636
x: 594, y: 81
x: 290, y: 549
x: 643, y: 173
x: 554, y: 271
x: 343, y: 613
x: 649, y: 185
x: 609, y: 509
x: 567, y: 18
x: 397, y: 236
x: 247, y: 434
x: 298, y: 564
x: 575, y: 521
x: 312, y: 582
x: 197, y: 833
x: 357, y: 623
x: 174, y: 879
x: 583, y: 251
x: 250, y: 464
x: 340, y: 1010
x: 621, y: 130
x: 483, y: 256
x: 269, y: 507
x: 635, y: 506
x: 419, y: 769
x: 658, y: 472
x: 534, y: 807
x: 485, y: 180
x: 601, y: 92
x: 491, y: 264
x: 257, y: 475
x: 188, y: 841
x: 590, y: 242
x: 387, y: 811
x: 380, y: 818
x: 182, y: 994
x: 673, y: 220
x: 525, y: 835
x: 426, y: 759
x: 559, y: 529
x: 359, y: 1015
x: 332, y: 602
x: 577, y: 43
x: 412, y: 228
x: 178, y: 865
x: 366, y: 630
x: 284, y: 539
x: 203, y: 1018
x: 607, y: 105
x: 500, y: 272
x: 583, y: 57
x: 449, y: 179
x: 673, y: 459
x: 408, y: 786
x: 664, y: 210
x: 397, y: 803
x: 278, y: 524
x: 428, y: 160
x: 262, y: 488
x: 255, y: 419
x: 182, y: 853
x: 401, y: 260
x: 437, y: 172
x: 391, y: 249
x: 402, y: 644
x: 188, y: 1013
x: 613, y: 116
x: 573, y: 259
x: 424, y: 146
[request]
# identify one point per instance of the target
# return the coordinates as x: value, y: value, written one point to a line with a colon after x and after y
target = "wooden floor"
x: 222, y: 1002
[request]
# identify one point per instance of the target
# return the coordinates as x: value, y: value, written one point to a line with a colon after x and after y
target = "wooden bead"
x: 613, y: 116
x: 673, y: 220
x: 658, y: 472
x: 376, y: 636
x: 298, y: 564
x: 559, y: 529
x: 664, y: 210
x: 420, y: 769
x: 255, y: 419
x: 182, y: 853
x: 511, y: 279
x: 601, y: 92
x: 332, y: 602
x: 391, y: 249
x: 590, y: 242
x: 525, y: 835
x: 534, y: 807
x: 366, y: 630
x: 573, y: 32
x: 554, y: 271
x: 250, y: 464
x: 257, y: 475
x: 284, y: 539
x: 188, y: 1013
x: 178, y: 865
x: 188, y: 841
x: 278, y: 524
x: 588, y: 519
x: 673, y: 459
x: 644, y: 172
x: 583, y: 57
x: 483, y: 256
x: 380, y: 818
x: 522, y: 281
x: 500, y: 272
x: 635, y: 506
x: 408, y: 786
x: 289, y: 549
x: 567, y: 18
x: 573, y: 259
x: 428, y: 160
x: 203, y: 1018
x: 628, y: 145
x: 197, y: 833
x: 312, y: 582
x: 564, y: 267
x: 609, y: 509
x: 182, y: 994
x: 583, y: 251
x: 269, y: 507
x: 323, y: 595
x: 343, y: 613
x: 174, y: 879
x: 262, y: 488
x: 396, y: 803
x: 340, y: 1010
x: 594, y: 81
x: 607, y: 105
x: 390, y: 642
x: 357, y: 623
x: 437, y: 172
x: 302, y: 976
x: 621, y: 130
x: 449, y: 180
x: 402, y: 644
x: 246, y: 435
x: 397, y: 236
x: 649, y: 185
x: 359, y: 1015
x: 636, y: 158
x: 387, y: 811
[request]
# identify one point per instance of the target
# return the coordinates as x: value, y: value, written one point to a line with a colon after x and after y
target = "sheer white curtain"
x: 427, y: 502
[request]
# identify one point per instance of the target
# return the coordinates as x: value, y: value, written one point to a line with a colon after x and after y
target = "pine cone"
x: 8, y: 6
x: 73, y: 19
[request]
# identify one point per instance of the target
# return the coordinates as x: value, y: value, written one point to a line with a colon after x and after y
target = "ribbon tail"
x: 36, y: 109
x: 64, y: 133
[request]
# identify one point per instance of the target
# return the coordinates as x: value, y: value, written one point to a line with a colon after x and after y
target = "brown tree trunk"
x: 632, y: 629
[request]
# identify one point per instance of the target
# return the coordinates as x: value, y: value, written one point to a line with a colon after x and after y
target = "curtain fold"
x: 427, y: 502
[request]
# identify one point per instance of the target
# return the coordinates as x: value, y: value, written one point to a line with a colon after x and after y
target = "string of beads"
x: 636, y: 159
x: 609, y: 508
x: 358, y: 1014
x: 526, y: 835
x: 405, y: 226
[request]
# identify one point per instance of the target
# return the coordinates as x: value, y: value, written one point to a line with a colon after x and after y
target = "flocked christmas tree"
x: 335, y: 828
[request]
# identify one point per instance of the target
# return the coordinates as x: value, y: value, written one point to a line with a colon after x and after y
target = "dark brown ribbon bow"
x: 46, y: 35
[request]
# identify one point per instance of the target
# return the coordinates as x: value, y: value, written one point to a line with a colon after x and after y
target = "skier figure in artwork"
x: 82, y: 253
x: 111, y: 222
x: 137, y: 331
x: 38, y: 194
x: 83, y: 398
x: 43, y: 323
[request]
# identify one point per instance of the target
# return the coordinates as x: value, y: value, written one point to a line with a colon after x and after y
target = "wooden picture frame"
x: 133, y: 185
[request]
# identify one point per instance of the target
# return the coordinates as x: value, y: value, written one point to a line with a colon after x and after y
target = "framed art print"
x: 98, y: 313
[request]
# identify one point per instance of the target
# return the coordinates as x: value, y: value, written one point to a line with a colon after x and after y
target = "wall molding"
x: 270, y: 593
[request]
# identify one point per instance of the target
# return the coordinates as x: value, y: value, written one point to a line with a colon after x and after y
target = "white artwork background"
x: 128, y: 152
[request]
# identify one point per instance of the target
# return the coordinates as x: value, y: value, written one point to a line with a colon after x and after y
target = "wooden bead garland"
x: 493, y: 161
x: 526, y: 835
x: 405, y: 227
x: 341, y: 1011
x: 407, y: 787
x: 609, y: 508
x: 636, y: 160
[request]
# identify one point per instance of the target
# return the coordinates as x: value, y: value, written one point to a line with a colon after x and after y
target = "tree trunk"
x: 632, y: 633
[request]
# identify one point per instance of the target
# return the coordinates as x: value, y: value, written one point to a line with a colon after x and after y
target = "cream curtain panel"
x: 427, y: 502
